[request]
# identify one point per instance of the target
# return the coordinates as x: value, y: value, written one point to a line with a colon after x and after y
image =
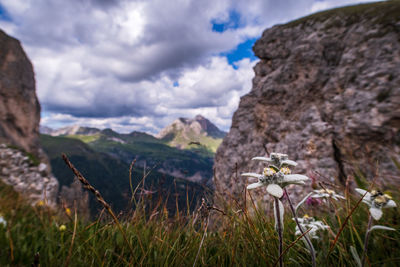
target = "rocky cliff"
x: 19, y: 125
x: 19, y: 108
x: 326, y: 91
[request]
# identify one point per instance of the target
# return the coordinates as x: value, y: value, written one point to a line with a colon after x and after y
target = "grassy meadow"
x: 239, y: 233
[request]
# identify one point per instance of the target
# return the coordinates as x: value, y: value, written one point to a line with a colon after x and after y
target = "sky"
x: 138, y: 65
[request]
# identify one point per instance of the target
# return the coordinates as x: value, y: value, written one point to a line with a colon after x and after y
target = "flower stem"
x: 312, y: 250
x: 279, y: 228
x: 366, y: 241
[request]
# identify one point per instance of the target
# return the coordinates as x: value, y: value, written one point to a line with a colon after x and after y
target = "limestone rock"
x: 19, y: 106
x: 35, y: 182
x: 326, y: 92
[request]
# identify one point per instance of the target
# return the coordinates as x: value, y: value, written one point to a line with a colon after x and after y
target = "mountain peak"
x: 198, y: 126
x: 199, y: 118
x: 199, y: 131
x: 71, y: 130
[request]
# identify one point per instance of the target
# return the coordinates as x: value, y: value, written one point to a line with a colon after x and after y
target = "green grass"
x: 244, y: 236
x: 85, y: 138
x: 379, y: 12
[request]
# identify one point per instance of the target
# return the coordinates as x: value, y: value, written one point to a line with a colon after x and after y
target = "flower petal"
x: 362, y: 192
x: 295, y: 178
x: 262, y: 159
x: 281, y: 214
x: 255, y: 185
x: 367, y: 201
x: 275, y: 190
x: 390, y: 204
x: 339, y: 196
x: 381, y: 227
x: 251, y: 174
x: 318, y: 196
x: 302, y: 201
x: 376, y: 213
x: 289, y: 162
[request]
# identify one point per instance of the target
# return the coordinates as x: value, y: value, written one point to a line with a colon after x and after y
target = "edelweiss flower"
x: 3, y: 221
x: 277, y: 175
x: 309, y: 222
x: 318, y: 194
x: 326, y: 193
x: 376, y: 200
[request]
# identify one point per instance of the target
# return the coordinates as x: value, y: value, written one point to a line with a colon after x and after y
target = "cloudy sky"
x: 139, y: 64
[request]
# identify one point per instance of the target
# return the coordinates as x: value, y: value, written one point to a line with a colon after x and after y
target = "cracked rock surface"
x: 326, y: 92
x: 35, y: 183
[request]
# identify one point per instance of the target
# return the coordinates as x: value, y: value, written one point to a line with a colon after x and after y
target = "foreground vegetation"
x: 238, y: 233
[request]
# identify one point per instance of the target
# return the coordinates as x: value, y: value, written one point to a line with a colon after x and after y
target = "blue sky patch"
x: 232, y: 23
x: 243, y: 50
x: 4, y: 14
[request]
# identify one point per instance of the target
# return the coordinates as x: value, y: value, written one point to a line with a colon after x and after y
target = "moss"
x: 33, y: 159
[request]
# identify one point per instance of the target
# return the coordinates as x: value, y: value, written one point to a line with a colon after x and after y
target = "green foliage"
x: 85, y: 138
x: 360, y: 179
x: 243, y: 236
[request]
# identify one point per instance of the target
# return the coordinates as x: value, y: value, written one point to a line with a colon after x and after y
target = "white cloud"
x: 105, y: 63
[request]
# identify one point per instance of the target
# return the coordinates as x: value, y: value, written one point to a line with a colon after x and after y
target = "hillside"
x: 185, y: 149
x: 110, y: 175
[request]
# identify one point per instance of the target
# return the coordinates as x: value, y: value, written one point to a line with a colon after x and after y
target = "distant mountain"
x: 189, y: 133
x: 45, y: 129
x: 185, y: 150
x: 72, y: 130
x: 110, y: 175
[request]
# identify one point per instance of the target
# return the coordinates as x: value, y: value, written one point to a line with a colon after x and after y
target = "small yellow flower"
x: 40, y: 203
x: 306, y: 216
x: 382, y: 199
x: 327, y: 191
x: 68, y: 211
x: 62, y: 228
x: 286, y: 170
x: 269, y: 171
x: 388, y: 195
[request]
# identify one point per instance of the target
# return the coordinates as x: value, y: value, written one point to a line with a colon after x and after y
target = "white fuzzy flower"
x: 326, y: 193
x: 376, y: 200
x: 310, y: 223
x: 3, y: 221
x: 277, y: 175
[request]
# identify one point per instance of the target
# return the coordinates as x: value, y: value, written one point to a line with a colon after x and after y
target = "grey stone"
x: 327, y: 93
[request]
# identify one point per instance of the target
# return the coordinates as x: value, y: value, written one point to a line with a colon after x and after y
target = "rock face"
x: 326, y: 92
x: 19, y: 126
x: 31, y: 179
x: 19, y: 106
